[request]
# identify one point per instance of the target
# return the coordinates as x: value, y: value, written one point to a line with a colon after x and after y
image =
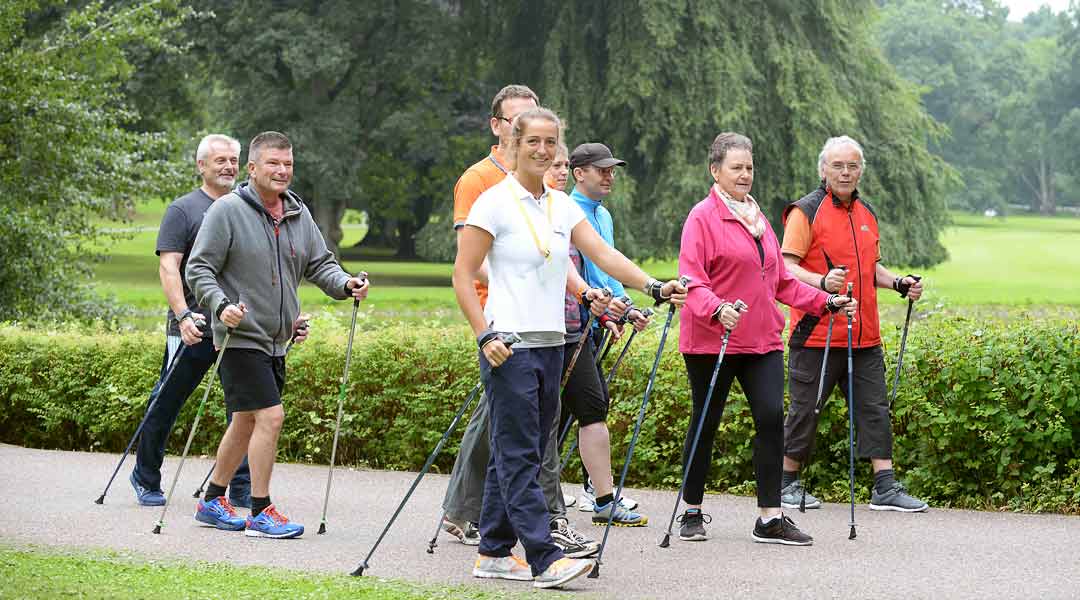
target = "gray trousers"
x: 465, y: 494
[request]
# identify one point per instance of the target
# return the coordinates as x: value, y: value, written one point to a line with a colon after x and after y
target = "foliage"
x: 67, y: 156
x: 47, y: 573
x: 978, y: 402
x: 379, y: 118
x: 1007, y: 92
x: 673, y: 75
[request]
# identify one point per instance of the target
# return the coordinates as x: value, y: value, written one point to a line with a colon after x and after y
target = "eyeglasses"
x: 853, y: 167
x: 508, y: 121
x: 608, y: 172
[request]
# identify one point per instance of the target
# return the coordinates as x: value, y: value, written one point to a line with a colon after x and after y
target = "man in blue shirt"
x: 593, y: 169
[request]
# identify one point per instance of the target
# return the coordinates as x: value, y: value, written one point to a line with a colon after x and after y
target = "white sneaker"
x: 504, y: 567
x: 586, y: 502
x: 563, y: 570
x: 569, y: 499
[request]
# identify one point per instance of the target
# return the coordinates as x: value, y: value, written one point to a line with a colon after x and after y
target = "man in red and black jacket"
x: 830, y: 240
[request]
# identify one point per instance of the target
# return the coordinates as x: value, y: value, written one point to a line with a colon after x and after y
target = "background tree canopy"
x: 387, y: 102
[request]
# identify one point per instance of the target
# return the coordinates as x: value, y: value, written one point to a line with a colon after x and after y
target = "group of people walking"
x: 541, y: 264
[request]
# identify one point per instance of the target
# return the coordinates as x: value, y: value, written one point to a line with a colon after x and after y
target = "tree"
x: 67, y: 154
x: 1001, y: 88
x: 364, y: 91
x: 657, y: 81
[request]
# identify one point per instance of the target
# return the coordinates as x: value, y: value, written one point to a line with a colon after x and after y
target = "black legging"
x: 762, y: 379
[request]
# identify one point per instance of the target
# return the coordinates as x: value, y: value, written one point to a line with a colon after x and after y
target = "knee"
x: 270, y: 419
x: 595, y: 430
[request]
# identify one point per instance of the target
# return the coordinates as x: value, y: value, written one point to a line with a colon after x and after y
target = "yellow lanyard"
x: 545, y: 249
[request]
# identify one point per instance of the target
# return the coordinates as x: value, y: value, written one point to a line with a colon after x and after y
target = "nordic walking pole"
x: 202, y: 485
x: 595, y: 573
x: 194, y: 427
x: 292, y: 340
x: 903, y: 344
x: 600, y: 356
x: 508, y: 340
x: 611, y: 375
x: 821, y: 397
x: 739, y: 306
x: 648, y: 312
x: 570, y: 369
x: 851, y: 421
x: 142, y: 423
x: 340, y: 408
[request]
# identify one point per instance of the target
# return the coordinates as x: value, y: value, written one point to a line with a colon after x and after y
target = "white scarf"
x: 746, y: 211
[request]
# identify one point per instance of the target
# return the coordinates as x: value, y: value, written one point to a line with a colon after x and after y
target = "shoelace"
x: 572, y: 533
x: 689, y: 517
x: 226, y: 506
x: 272, y: 513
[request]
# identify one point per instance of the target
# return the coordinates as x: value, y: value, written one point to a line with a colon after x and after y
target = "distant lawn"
x: 47, y: 574
x: 1021, y: 261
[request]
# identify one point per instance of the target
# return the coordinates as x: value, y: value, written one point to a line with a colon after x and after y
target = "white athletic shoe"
x: 586, y: 502
x: 505, y: 567
x: 569, y: 499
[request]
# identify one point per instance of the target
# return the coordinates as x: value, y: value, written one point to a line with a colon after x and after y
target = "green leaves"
x: 67, y: 158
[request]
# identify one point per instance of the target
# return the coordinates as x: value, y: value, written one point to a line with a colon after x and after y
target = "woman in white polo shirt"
x: 524, y: 230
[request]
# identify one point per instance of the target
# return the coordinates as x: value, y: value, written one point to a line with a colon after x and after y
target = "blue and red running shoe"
x: 219, y: 513
x: 272, y: 524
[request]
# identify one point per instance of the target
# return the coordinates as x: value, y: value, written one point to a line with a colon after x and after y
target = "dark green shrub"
x: 985, y: 415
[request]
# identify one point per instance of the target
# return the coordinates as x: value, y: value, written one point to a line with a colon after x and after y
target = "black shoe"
x: 571, y: 542
x: 780, y: 531
x: 693, y: 526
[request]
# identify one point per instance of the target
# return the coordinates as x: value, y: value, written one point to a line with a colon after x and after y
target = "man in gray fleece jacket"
x: 254, y: 246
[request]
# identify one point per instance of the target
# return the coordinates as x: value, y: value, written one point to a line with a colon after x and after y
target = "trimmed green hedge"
x: 987, y: 415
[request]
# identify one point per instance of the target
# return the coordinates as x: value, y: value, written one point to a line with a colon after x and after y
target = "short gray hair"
x: 836, y: 142
x: 204, y: 145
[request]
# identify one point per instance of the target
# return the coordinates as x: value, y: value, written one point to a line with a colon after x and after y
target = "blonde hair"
x: 517, y: 131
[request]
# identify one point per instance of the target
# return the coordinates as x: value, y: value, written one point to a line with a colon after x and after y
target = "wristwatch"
x: 187, y: 314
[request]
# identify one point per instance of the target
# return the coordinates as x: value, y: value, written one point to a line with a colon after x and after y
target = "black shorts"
x: 251, y: 379
x: 873, y: 424
x: 585, y: 396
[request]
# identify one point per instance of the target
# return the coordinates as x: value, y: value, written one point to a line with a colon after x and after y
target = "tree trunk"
x: 327, y: 213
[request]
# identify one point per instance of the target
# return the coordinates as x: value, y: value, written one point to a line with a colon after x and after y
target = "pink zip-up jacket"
x: 726, y: 265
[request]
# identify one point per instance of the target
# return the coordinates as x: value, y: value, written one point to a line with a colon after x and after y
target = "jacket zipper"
x: 281, y: 283
x: 858, y: 266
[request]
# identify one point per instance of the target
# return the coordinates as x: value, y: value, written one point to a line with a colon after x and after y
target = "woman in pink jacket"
x: 731, y: 253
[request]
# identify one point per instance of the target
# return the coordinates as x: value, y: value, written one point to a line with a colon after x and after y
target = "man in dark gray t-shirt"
x: 188, y: 354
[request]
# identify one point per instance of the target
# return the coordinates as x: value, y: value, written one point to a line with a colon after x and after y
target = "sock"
x: 789, y: 478
x: 604, y: 500
x: 213, y: 490
x: 884, y: 479
x: 693, y: 511
x: 258, y: 504
x: 767, y: 520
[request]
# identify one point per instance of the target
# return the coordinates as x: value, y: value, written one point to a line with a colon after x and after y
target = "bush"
x: 984, y: 416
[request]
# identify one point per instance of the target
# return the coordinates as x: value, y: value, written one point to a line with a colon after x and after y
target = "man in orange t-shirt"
x: 464, y: 494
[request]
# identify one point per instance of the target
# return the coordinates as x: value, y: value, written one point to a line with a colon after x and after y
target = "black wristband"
x: 822, y: 284
x: 903, y: 288
x: 187, y: 313
x: 221, y: 307
x: 485, y: 336
x: 830, y: 303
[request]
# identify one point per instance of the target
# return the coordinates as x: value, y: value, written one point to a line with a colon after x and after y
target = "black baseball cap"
x: 595, y: 154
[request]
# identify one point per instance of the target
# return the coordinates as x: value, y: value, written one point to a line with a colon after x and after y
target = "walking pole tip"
x: 595, y: 573
x: 665, y: 541
x: 851, y: 534
x: 359, y: 572
x: 157, y: 527
x: 322, y: 528
x: 100, y: 500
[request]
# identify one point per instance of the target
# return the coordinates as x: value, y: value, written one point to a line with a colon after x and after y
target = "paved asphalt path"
x: 939, y: 554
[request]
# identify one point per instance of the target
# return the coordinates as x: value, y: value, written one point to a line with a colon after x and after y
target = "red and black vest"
x: 839, y: 235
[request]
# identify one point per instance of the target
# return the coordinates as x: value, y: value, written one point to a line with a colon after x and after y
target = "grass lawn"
x: 1022, y: 261
x: 47, y: 574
